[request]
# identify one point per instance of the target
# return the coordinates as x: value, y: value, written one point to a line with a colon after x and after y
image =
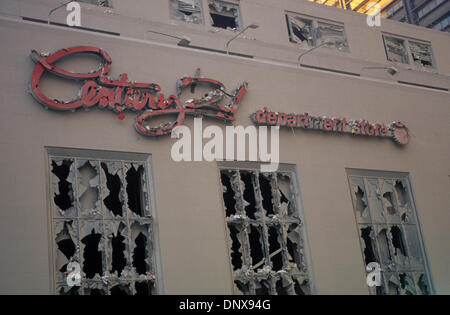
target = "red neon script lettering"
x: 120, y: 95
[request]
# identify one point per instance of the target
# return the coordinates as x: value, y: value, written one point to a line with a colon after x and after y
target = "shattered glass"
x: 314, y: 33
x: 333, y: 32
x: 301, y: 30
x: 395, y: 49
x: 265, y: 232
x: 224, y: 14
x: 421, y: 54
x: 102, y: 221
x: 186, y: 10
x: 388, y: 233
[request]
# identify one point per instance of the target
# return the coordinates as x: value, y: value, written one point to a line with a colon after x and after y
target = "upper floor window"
x: 187, y: 11
x: 313, y: 31
x: 408, y: 51
x: 102, y: 3
x: 225, y: 14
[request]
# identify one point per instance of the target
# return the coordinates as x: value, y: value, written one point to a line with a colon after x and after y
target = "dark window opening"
x: 256, y: 250
x: 274, y: 245
x: 64, y: 200
x: 118, y: 257
x: 249, y: 194
x: 266, y: 193
x: 113, y: 183
x: 236, y: 256
x: 92, y: 256
x: 228, y: 194
x: 144, y: 288
x: 134, y: 189
x: 139, y: 254
x: 223, y: 21
x: 398, y: 241
x: 369, y: 253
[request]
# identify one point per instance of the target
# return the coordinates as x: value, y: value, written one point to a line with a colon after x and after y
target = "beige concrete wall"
x: 188, y: 195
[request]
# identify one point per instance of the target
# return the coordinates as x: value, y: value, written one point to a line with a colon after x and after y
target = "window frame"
x: 111, y: 156
x: 239, y: 19
x: 202, y: 12
x: 314, y: 22
x: 410, y: 57
x: 255, y: 167
x: 403, y: 177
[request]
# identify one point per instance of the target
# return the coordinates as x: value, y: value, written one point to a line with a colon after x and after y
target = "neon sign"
x: 395, y: 130
x: 144, y: 98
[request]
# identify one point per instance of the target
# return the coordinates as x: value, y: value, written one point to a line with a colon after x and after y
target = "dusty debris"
x: 225, y: 14
x: 265, y: 232
x: 102, y: 222
x: 187, y: 11
x: 388, y: 233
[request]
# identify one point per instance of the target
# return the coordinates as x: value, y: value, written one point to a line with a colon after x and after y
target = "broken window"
x: 395, y: 49
x: 313, y: 32
x: 388, y: 231
x: 404, y: 51
x: 421, y: 53
x: 102, y: 3
x: 187, y: 11
x: 266, y: 235
x: 102, y: 223
x: 225, y: 14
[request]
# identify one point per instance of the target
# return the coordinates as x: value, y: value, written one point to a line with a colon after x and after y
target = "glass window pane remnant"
x: 187, y: 11
x: 313, y: 31
x: 102, y: 226
x: 266, y: 233
x: 300, y: 30
x: 225, y: 14
x: 389, y: 231
x: 102, y: 3
x: 395, y: 49
x: 422, y: 54
x: 332, y: 32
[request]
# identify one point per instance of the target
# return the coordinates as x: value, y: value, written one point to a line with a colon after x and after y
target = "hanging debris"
x: 225, y: 14
x: 187, y: 11
x: 388, y: 232
x: 266, y: 242
x: 102, y: 224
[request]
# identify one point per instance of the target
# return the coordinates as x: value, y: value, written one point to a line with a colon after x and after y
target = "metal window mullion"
x: 78, y: 218
x: 106, y: 271
x: 247, y: 260
x: 258, y: 205
x: 276, y: 194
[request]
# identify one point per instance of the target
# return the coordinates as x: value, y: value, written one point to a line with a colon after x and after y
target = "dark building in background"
x: 433, y: 14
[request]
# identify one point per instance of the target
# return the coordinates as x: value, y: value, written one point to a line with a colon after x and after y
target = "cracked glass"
x: 101, y: 227
x: 266, y: 232
x: 389, y: 232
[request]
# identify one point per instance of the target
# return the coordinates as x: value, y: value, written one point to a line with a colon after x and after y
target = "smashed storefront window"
x: 101, y: 227
x: 389, y: 232
x: 187, y: 11
x: 225, y: 14
x: 314, y: 32
x: 266, y: 233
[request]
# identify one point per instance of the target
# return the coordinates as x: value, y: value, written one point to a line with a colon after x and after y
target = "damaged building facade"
x: 93, y: 203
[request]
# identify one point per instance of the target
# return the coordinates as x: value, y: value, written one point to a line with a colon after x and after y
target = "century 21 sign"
x: 122, y: 94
